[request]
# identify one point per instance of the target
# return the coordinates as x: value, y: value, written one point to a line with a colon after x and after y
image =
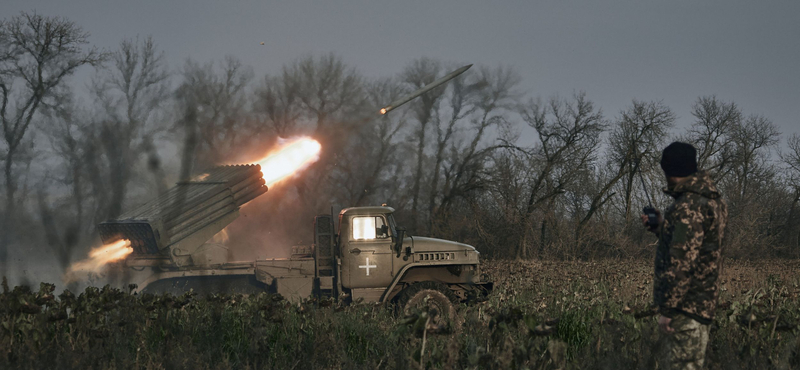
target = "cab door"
x: 368, y: 255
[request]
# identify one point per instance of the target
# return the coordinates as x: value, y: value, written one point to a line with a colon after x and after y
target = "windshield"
x: 369, y: 228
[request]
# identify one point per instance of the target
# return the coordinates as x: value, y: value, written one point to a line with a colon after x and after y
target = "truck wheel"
x: 435, y: 298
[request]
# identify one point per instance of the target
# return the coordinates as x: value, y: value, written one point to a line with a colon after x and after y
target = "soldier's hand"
x: 663, y: 323
x: 646, y: 224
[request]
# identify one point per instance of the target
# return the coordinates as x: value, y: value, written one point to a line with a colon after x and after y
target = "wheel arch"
x: 404, y: 272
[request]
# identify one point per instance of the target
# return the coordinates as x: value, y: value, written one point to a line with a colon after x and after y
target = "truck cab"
x: 377, y: 260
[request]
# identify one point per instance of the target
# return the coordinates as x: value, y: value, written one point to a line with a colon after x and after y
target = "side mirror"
x: 398, y: 243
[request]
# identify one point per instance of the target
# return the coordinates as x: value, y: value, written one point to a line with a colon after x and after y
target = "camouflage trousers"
x: 685, y: 348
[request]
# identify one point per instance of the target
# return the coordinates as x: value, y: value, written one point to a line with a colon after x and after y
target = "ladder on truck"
x: 325, y: 255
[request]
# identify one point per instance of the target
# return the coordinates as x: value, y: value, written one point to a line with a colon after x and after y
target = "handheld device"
x: 652, y: 216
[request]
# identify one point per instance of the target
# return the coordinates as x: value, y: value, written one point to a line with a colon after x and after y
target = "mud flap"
x: 295, y: 289
x: 479, y: 292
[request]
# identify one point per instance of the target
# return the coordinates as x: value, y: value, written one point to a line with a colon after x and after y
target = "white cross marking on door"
x: 368, y: 266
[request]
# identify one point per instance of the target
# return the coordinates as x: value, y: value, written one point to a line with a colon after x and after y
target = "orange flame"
x: 288, y: 159
x: 99, y: 258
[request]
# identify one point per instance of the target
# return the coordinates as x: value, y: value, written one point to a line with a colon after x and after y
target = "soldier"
x: 688, y: 258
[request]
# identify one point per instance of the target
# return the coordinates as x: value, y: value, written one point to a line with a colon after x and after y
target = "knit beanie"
x: 679, y: 159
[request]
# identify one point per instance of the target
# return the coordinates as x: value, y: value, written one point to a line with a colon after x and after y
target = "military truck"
x: 370, y: 258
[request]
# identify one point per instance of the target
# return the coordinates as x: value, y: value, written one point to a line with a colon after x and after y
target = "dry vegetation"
x: 543, y: 315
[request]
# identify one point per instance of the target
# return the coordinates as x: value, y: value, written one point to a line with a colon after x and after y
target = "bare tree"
x: 737, y: 152
x: 425, y: 110
x: 36, y: 54
x: 220, y: 102
x: 329, y: 89
x: 376, y: 168
x: 459, y: 107
x: 130, y: 95
x: 476, y: 105
x: 751, y: 186
x: 635, y: 144
x: 499, y: 210
x: 277, y: 102
x: 711, y: 133
x: 791, y: 158
x: 568, y: 133
x: 752, y: 141
x: 64, y: 218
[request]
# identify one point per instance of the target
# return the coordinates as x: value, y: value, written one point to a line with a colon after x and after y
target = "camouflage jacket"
x: 688, y: 258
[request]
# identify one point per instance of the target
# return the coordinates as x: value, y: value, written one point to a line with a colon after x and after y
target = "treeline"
x: 475, y: 161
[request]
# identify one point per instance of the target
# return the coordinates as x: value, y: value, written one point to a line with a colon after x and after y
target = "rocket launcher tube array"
x: 191, y: 208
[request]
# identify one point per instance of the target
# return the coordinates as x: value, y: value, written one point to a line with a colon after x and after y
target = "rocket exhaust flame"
x: 99, y: 258
x: 288, y: 159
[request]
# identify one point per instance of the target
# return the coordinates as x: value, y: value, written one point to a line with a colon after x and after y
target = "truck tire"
x: 435, y: 298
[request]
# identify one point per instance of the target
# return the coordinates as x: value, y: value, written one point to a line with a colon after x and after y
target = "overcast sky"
x: 675, y: 51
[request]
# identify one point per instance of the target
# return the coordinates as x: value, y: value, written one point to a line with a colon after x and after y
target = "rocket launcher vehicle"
x: 173, y: 228
x: 179, y: 221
